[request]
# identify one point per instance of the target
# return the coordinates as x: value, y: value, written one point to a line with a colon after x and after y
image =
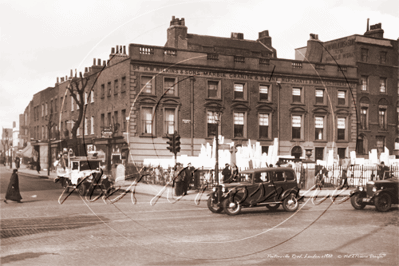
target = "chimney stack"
x: 314, y: 50
x: 375, y: 31
x: 237, y: 35
x: 264, y: 38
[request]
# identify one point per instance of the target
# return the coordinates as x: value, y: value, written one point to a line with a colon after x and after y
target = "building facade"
x: 376, y: 59
x: 197, y: 83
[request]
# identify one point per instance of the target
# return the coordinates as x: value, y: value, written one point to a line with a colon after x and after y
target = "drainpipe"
x: 192, y: 79
x: 278, y: 116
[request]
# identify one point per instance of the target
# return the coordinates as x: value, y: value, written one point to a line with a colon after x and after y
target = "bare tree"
x: 77, y: 88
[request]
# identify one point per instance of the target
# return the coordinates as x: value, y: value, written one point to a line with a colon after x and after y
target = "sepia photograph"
x: 199, y: 132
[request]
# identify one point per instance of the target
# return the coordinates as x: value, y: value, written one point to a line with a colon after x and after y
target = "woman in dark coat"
x: 13, y: 188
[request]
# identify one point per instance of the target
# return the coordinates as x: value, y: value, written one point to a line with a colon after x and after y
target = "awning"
x: 27, y: 151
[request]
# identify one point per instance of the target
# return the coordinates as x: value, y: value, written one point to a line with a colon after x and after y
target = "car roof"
x: 266, y: 169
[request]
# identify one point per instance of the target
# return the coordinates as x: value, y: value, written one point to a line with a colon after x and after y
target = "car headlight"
x: 214, y: 189
x: 360, y: 188
x: 374, y: 189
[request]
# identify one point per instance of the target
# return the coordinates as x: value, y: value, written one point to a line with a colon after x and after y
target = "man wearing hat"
x: 226, y: 173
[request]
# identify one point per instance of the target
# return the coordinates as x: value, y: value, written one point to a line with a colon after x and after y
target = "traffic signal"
x: 177, y: 142
x: 171, y: 143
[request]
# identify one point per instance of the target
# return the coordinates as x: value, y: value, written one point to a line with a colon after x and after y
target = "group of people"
x: 183, y: 178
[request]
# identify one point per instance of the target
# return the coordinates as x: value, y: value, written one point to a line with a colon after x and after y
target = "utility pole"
x: 49, y: 126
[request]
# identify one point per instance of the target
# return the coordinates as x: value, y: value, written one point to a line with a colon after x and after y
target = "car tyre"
x: 290, y: 203
x: 273, y: 207
x: 383, y: 202
x: 356, y: 202
x: 232, y: 208
x: 82, y: 189
x: 212, y: 206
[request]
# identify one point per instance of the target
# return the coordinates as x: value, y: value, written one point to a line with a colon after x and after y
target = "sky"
x: 44, y: 39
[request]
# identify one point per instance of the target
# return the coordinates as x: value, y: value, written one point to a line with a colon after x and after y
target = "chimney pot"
x: 117, y: 49
x: 71, y: 73
x: 124, y: 49
x: 94, y: 61
x: 99, y: 62
x: 120, y: 49
x: 58, y: 80
x: 112, y: 50
x: 104, y: 63
x: 62, y: 79
x: 237, y: 35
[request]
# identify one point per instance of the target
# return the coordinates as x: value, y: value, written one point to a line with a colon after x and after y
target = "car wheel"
x: 213, y: 207
x: 383, y: 202
x: 232, y: 208
x: 290, y: 203
x: 356, y: 202
x: 82, y: 189
x: 273, y: 207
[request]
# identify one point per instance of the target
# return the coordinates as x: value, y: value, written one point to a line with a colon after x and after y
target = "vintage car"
x: 380, y: 193
x: 84, y: 174
x: 269, y: 187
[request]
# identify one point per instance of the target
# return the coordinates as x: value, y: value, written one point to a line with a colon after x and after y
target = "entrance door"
x: 319, y: 153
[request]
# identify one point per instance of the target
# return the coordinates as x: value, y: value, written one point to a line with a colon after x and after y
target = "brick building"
x: 183, y: 85
x: 376, y: 59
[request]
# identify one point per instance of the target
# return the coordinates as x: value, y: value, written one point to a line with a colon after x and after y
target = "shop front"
x: 115, y: 149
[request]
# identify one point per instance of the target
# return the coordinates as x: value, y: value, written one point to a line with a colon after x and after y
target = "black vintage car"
x: 269, y: 187
x: 380, y: 193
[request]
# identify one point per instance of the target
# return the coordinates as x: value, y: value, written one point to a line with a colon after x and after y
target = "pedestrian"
x: 226, y: 173
x: 17, y: 162
x: 179, y: 180
x: 38, y: 166
x: 188, y: 176
x: 345, y: 166
x: 382, y: 168
x: 197, y: 179
x: 13, y: 188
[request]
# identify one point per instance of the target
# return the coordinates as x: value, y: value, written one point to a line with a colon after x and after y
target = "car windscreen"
x: 246, y: 177
x: 89, y: 165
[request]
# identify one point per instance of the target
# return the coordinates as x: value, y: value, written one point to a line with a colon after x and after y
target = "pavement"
x: 154, y: 189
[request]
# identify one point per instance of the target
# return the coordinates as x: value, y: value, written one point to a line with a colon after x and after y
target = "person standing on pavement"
x: 345, y: 167
x: 179, y: 181
x: 226, y: 173
x: 13, y: 188
x: 17, y: 162
x: 187, y: 178
x: 38, y: 166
